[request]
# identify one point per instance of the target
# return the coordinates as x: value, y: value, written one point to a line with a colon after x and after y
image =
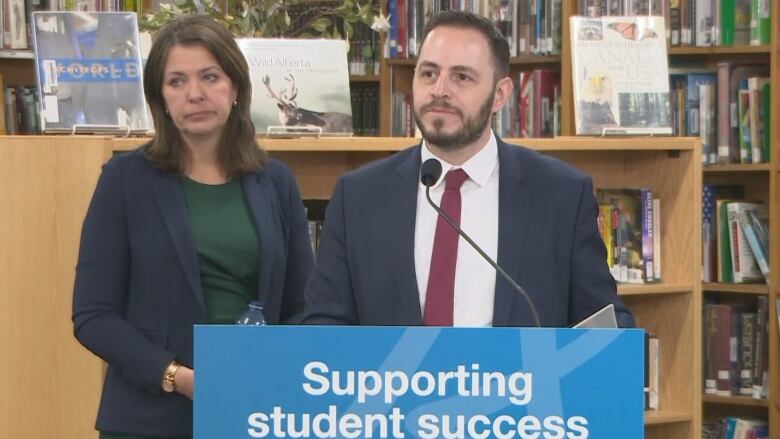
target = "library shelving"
x: 317, y: 163
x: 760, y: 181
x: 46, y: 183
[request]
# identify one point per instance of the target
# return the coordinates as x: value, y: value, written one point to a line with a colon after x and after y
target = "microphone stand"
x: 503, y: 273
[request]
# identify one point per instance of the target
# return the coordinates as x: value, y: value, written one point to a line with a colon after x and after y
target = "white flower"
x: 381, y: 23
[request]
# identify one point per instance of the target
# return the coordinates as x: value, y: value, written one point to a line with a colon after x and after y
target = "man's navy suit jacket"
x: 548, y: 242
x: 138, y: 290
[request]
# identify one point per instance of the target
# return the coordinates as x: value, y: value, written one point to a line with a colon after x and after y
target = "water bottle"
x: 253, y: 316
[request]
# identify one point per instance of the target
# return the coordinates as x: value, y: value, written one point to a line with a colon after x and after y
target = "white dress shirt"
x: 475, y: 279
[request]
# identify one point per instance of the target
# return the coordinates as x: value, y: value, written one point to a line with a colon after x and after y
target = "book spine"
x: 710, y: 349
x: 392, y: 37
x: 727, y: 15
x: 657, y: 239
x: 746, y: 353
x: 760, y: 22
x: 724, y: 131
x: 752, y: 241
x: 647, y: 235
x: 708, y: 272
x: 723, y: 340
x: 654, y: 354
x: 761, y: 349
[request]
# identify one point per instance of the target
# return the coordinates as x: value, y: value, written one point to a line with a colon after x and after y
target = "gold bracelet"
x: 170, y: 373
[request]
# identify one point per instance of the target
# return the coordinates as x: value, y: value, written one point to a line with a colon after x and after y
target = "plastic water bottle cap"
x: 256, y: 304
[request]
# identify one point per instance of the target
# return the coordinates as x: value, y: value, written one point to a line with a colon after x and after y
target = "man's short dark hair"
x: 466, y: 20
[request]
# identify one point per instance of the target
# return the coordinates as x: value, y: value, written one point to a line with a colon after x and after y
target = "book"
x: 620, y: 75
x: 711, y: 194
x: 754, y: 223
x: 631, y: 222
x: 743, y: 263
x: 89, y: 72
x: 760, y: 23
x: 288, y: 96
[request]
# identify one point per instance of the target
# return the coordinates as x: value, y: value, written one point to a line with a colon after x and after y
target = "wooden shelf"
x: 719, y: 50
x: 661, y: 417
x: 757, y: 167
x: 735, y: 400
x: 364, y: 78
x: 394, y: 144
x: 755, y: 289
x: 653, y: 289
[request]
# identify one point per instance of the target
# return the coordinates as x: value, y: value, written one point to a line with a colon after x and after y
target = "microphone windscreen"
x: 430, y: 172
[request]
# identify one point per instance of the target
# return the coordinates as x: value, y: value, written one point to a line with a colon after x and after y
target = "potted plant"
x: 282, y: 19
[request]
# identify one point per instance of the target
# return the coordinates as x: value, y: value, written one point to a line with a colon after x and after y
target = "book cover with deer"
x: 299, y: 86
x: 620, y: 75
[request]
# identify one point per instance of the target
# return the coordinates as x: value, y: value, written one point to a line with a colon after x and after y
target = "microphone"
x: 429, y: 175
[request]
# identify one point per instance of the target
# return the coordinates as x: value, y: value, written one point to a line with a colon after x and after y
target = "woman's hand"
x: 184, y: 381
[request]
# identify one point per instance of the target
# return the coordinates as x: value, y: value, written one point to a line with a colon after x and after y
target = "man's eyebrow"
x: 457, y: 68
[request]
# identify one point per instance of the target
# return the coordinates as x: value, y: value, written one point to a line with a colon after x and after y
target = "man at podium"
x: 386, y: 257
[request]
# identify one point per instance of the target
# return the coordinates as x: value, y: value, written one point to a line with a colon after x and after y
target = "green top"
x: 227, y: 244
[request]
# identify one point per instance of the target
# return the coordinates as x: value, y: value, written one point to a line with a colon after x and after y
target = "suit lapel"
x: 401, y: 202
x: 170, y: 200
x: 260, y: 200
x: 513, y: 206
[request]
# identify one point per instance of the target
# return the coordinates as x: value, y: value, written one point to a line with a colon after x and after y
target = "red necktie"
x: 439, y: 299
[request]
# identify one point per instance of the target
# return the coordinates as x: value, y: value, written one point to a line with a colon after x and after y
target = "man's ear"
x: 503, y: 92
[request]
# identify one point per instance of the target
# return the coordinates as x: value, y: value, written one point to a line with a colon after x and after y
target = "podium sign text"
x: 417, y: 382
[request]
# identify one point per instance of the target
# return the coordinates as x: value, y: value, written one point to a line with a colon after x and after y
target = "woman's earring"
x: 235, y: 103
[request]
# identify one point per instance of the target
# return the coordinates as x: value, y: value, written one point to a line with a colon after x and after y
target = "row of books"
x: 719, y: 22
x: 19, y: 110
x: 534, y: 108
x: 735, y: 236
x: 735, y: 428
x: 365, y: 109
x: 735, y: 348
x: 696, y: 22
x: 15, y: 32
x: 629, y: 222
x: 729, y: 108
x: 599, y: 8
x: 532, y: 28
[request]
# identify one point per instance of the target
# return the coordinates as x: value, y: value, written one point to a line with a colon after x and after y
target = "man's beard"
x: 472, y: 128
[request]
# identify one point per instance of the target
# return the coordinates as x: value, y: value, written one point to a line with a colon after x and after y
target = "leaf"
x: 348, y: 30
x: 321, y: 24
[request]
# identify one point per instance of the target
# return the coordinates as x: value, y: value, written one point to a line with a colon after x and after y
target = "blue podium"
x: 418, y: 382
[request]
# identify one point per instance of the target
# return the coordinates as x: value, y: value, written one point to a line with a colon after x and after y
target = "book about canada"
x: 620, y: 76
x: 89, y: 72
x: 299, y: 86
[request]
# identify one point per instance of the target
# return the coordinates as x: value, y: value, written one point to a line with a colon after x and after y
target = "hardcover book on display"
x: 89, y: 72
x: 299, y: 87
x: 620, y: 76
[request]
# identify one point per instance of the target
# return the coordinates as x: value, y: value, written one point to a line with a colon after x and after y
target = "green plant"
x: 271, y: 18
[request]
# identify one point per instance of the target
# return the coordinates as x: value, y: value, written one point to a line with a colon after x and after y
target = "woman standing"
x: 187, y: 229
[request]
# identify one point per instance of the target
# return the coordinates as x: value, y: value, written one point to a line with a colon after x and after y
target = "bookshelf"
x: 318, y: 163
x: 761, y: 182
x: 49, y: 181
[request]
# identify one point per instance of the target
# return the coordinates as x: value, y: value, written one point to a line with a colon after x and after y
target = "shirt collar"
x: 479, y: 167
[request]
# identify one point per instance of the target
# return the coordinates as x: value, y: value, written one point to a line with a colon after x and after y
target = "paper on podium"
x: 603, y: 318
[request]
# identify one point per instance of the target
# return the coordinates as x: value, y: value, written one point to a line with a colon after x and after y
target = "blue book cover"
x: 89, y: 72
